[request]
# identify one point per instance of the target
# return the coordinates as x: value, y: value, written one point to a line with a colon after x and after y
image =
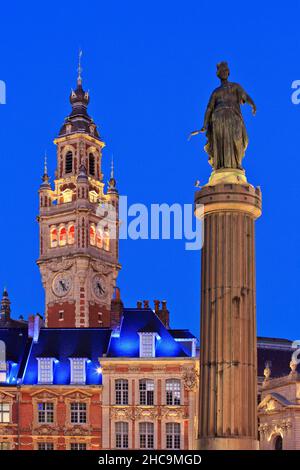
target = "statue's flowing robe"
x: 226, y: 134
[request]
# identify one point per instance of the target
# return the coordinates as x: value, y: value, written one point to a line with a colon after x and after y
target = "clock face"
x: 99, y: 286
x: 61, y: 284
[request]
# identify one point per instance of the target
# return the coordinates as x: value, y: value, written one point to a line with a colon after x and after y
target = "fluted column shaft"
x: 228, y: 362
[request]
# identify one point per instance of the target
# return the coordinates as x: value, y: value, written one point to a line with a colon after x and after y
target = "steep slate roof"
x: 126, y: 344
x: 17, y: 348
x: 276, y: 351
x: 62, y: 344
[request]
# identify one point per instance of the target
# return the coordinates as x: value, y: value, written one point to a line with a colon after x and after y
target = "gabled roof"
x: 126, y: 344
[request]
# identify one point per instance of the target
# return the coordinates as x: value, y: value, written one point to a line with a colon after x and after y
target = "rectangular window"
x: 121, y: 435
x: 146, y: 392
x: 46, y: 412
x: 78, y: 370
x: 121, y: 389
x: 173, y: 435
x: 3, y: 371
x: 4, y: 446
x: 146, y: 431
x: 173, y: 392
x: 4, y: 412
x: 78, y: 413
x: 45, y: 446
x: 77, y: 446
x: 45, y: 370
x: 61, y: 315
x: 147, y: 344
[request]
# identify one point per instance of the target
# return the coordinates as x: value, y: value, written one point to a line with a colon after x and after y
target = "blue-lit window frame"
x: 74, y: 371
x: 50, y: 370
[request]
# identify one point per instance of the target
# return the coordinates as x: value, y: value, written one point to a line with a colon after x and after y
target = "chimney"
x: 163, y: 313
x: 156, y: 306
x: 146, y: 303
x: 117, y: 307
x: 139, y: 304
x: 35, y: 322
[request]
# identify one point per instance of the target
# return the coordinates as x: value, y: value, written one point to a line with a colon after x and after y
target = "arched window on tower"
x: 278, y: 443
x: 71, y: 234
x: 62, y: 236
x: 99, y: 237
x: 92, y: 164
x: 53, y: 237
x: 92, y: 235
x: 69, y: 162
x: 106, y: 239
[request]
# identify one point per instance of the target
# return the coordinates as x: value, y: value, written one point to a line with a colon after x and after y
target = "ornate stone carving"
x: 190, y: 379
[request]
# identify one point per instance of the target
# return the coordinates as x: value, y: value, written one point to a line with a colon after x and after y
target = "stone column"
x: 228, y: 355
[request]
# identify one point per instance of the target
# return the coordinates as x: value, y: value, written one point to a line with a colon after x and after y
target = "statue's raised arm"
x: 226, y: 134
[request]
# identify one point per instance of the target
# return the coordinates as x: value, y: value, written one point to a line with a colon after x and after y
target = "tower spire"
x: 112, y: 184
x: 5, y: 306
x: 45, y: 176
x: 79, y: 68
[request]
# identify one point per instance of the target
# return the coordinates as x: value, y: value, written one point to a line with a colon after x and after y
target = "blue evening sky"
x: 150, y: 68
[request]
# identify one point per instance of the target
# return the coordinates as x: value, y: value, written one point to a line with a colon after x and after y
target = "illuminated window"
x: 92, y: 235
x: 4, y: 446
x: 146, y: 387
x: 147, y: 344
x: 78, y: 413
x: 173, y: 435
x: 4, y: 412
x: 69, y: 162
x: 53, y: 237
x: 92, y: 164
x: 46, y: 412
x: 77, y: 446
x: 62, y: 236
x: 45, y: 370
x: 71, y: 234
x: 173, y: 392
x: 67, y: 195
x: 45, y: 446
x: 146, y: 432
x: 3, y: 371
x: 121, y: 435
x: 121, y: 389
x: 78, y: 370
x: 93, y: 196
x: 106, y: 239
x: 99, y: 237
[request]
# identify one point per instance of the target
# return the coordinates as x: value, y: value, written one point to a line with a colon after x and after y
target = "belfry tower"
x: 78, y: 226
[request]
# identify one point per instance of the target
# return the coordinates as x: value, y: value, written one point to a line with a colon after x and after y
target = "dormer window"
x: 78, y: 370
x: 69, y: 162
x: 3, y: 371
x: 68, y: 128
x: 147, y: 344
x: 45, y: 370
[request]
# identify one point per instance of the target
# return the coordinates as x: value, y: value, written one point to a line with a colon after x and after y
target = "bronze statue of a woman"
x: 226, y: 134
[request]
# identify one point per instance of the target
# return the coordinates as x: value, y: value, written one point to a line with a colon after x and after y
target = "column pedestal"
x: 228, y: 354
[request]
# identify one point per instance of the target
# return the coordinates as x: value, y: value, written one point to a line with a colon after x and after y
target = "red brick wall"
x: 94, y: 317
x: 69, y: 315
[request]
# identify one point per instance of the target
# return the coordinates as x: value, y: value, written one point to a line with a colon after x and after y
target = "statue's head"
x: 223, y: 70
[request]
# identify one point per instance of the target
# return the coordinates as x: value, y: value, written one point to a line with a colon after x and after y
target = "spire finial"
x: 79, y: 69
x: 45, y: 164
x: 112, y: 184
x: 112, y: 167
x: 45, y: 176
